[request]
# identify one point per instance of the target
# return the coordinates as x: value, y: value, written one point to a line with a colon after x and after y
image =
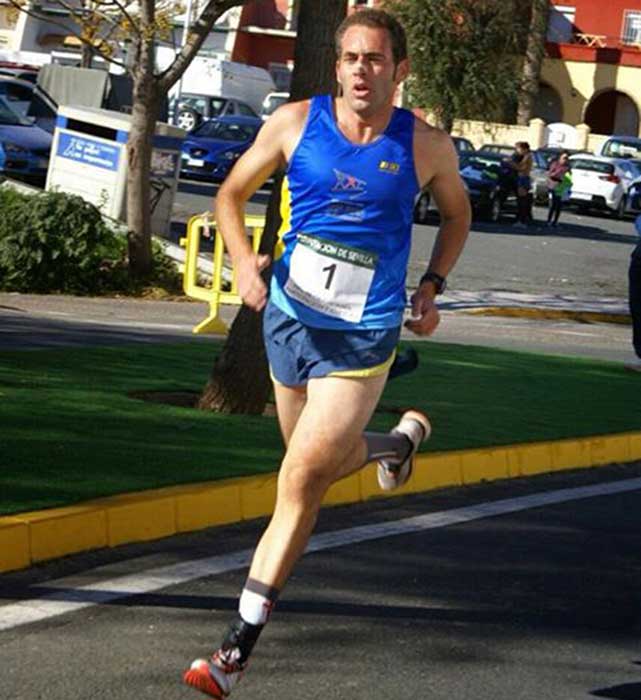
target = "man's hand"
x: 251, y: 287
x: 425, y: 316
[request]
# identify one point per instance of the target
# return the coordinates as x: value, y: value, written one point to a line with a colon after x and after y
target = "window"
x: 246, y: 110
x: 561, y: 24
x: 631, y: 33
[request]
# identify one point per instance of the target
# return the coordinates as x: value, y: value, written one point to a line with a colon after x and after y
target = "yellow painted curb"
x: 550, y: 314
x: 28, y: 538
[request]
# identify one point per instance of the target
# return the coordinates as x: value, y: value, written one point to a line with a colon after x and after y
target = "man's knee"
x: 306, y: 474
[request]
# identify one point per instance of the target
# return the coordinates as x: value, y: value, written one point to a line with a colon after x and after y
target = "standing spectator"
x: 559, y: 182
x: 522, y: 163
x: 634, y: 290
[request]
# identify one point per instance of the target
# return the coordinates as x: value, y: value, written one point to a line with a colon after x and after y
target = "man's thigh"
x: 290, y: 401
x: 331, y: 424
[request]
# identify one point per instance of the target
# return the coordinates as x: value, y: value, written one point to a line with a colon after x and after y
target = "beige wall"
x: 8, y: 23
x: 480, y: 133
x: 577, y: 82
x: 487, y: 132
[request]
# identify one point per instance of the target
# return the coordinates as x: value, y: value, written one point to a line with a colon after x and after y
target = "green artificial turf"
x: 70, y: 431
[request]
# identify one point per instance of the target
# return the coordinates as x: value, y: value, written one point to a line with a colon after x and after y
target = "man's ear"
x: 402, y: 70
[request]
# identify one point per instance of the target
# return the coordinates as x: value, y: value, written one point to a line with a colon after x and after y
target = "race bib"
x: 329, y: 277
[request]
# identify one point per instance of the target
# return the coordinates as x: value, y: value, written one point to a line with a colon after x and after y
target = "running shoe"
x: 216, y: 677
x: 634, y: 365
x: 415, y: 426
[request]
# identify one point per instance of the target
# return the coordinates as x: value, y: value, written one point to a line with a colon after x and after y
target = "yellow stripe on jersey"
x: 286, y: 217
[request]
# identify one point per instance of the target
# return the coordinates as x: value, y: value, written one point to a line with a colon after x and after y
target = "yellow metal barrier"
x: 204, y: 225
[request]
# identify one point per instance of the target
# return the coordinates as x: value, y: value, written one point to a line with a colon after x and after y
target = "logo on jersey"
x: 387, y: 166
x: 348, y: 211
x: 348, y: 183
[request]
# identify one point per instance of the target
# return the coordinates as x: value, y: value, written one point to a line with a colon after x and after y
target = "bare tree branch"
x: 195, y: 39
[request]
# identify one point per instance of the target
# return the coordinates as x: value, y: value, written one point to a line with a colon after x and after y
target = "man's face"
x: 366, y: 69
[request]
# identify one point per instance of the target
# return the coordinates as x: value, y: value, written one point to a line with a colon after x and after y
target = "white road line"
x: 69, y: 600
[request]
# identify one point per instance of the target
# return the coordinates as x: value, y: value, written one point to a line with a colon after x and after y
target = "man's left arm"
x: 445, y: 184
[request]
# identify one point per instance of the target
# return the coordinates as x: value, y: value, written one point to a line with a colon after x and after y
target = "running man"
x: 332, y: 320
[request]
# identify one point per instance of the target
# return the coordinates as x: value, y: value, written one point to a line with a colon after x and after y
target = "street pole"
x: 186, y: 26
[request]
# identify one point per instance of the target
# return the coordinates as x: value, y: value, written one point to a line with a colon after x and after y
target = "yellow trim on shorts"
x: 366, y: 371
x: 356, y: 373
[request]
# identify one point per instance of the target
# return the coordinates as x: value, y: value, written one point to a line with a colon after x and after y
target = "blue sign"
x: 89, y: 151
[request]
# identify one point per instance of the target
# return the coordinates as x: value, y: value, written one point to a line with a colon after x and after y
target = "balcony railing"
x: 603, y: 41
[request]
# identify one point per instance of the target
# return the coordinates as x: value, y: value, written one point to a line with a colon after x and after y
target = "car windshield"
x: 484, y: 161
x: 622, y: 149
x: 226, y: 132
x: 9, y: 117
x: 595, y: 166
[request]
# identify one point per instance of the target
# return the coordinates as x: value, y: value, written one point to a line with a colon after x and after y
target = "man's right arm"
x: 271, y: 149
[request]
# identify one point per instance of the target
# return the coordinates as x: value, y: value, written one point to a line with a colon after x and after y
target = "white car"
x: 603, y: 183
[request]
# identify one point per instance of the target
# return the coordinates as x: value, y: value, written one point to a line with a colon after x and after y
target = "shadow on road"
x: 627, y: 691
x: 27, y: 332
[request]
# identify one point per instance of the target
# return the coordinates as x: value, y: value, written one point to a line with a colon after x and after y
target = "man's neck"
x: 359, y: 128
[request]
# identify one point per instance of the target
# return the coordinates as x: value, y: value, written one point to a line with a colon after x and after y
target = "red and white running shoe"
x: 216, y: 677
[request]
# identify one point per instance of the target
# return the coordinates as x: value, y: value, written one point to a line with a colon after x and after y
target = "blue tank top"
x: 347, y: 210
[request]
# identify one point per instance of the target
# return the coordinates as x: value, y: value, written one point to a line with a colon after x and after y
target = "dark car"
x: 490, y: 183
x: 502, y: 149
x: 29, y: 101
x: 193, y: 108
x: 24, y: 146
x: 211, y: 150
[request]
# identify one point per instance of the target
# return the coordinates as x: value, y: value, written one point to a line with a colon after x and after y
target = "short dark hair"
x: 378, y: 19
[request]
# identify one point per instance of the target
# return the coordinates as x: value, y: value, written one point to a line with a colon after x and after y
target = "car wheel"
x: 493, y: 211
x: 621, y: 209
x: 422, y: 208
x: 188, y: 119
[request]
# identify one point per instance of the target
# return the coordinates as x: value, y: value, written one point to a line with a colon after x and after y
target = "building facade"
x: 592, y: 70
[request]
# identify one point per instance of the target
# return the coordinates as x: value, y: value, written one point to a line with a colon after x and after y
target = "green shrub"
x: 55, y: 242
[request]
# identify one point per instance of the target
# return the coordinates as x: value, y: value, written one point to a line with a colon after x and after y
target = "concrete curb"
x: 29, y: 538
x: 550, y: 314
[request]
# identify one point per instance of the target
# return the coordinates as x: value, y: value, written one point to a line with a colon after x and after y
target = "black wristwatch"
x: 440, y: 283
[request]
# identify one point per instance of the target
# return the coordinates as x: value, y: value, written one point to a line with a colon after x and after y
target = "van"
x: 212, y: 76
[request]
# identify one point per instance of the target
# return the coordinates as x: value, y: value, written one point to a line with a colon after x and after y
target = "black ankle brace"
x: 242, y: 636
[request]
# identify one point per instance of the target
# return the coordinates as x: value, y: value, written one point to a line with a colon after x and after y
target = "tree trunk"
x: 139, y: 148
x: 239, y: 382
x: 533, y: 61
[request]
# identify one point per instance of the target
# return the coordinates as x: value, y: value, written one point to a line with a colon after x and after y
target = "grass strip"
x: 70, y: 430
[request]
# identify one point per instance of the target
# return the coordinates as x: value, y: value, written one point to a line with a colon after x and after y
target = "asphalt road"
x: 529, y: 589
x: 32, y: 321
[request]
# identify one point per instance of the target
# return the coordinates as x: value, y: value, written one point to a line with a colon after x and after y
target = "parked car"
x: 29, y: 101
x: 490, y: 183
x: 603, y: 183
x: 193, y: 108
x: 28, y: 74
x: 543, y: 157
x: 462, y: 145
x: 24, y: 146
x: 621, y: 147
x: 502, y: 148
x: 272, y: 102
x: 211, y: 150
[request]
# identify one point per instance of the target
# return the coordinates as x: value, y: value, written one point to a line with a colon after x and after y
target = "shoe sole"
x: 199, y: 678
x: 405, y: 471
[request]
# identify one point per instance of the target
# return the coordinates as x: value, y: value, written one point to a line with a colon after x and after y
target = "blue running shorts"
x: 297, y: 353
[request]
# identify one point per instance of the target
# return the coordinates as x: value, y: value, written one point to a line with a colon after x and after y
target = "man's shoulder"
x: 430, y: 140
x: 289, y: 112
